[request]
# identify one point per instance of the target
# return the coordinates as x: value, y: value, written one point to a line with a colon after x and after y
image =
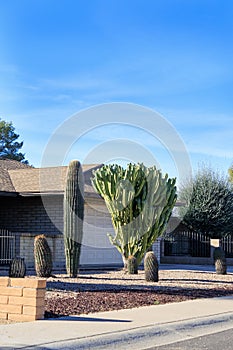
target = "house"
x: 31, y: 203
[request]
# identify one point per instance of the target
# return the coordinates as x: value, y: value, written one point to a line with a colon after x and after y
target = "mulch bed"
x: 85, y: 302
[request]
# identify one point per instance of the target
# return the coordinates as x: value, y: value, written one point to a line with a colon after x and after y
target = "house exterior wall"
x: 27, y: 217
x: 27, y: 214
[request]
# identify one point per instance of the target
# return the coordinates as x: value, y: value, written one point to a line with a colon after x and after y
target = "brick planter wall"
x: 22, y: 299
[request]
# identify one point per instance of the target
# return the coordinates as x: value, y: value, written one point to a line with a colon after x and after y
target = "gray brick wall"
x: 27, y: 217
x: 27, y: 214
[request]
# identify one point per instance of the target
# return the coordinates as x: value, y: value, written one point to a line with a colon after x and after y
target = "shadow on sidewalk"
x: 89, y: 319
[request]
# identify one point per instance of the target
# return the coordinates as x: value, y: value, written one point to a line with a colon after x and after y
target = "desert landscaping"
x: 113, y: 290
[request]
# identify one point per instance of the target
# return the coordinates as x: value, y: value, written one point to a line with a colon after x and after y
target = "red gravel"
x: 94, y: 301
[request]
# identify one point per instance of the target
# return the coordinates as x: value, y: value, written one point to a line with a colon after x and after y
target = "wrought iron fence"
x: 7, y: 246
x: 227, y: 246
x: 187, y: 243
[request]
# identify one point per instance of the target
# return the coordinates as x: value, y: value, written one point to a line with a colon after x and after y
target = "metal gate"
x: 186, y: 243
x: 7, y: 246
x: 227, y: 245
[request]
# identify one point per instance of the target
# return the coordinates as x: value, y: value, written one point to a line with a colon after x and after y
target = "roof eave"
x: 55, y: 193
x: 8, y: 194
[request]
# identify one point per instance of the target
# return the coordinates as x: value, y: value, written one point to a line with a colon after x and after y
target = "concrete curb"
x: 143, y: 337
x: 139, y: 328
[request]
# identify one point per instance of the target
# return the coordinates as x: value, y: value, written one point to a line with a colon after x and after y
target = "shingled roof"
x: 19, y: 178
x: 5, y: 166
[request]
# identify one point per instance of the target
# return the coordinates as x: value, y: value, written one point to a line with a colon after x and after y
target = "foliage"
x: 73, y: 216
x: 208, y: 199
x: 9, y: 146
x: 140, y: 201
x: 230, y: 173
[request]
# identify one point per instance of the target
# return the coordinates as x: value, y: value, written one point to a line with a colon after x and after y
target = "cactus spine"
x: 221, y: 266
x: 220, y: 261
x: 42, y: 256
x: 140, y: 201
x: 17, y: 268
x: 151, y: 267
x: 73, y: 216
x: 132, y: 265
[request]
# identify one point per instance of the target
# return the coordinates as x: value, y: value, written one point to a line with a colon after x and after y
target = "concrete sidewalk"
x: 119, y: 329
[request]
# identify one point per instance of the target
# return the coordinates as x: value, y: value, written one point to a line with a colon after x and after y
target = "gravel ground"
x: 95, y: 291
x: 114, y: 290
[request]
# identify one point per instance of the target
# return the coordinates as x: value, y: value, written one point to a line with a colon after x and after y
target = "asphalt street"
x: 217, y: 341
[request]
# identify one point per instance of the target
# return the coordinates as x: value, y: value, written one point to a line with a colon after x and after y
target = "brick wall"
x: 56, y: 245
x: 27, y: 217
x: 27, y: 214
x: 22, y: 299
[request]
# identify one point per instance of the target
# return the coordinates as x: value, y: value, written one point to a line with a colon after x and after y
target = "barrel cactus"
x: 42, y: 256
x: 17, y: 268
x: 151, y: 267
x: 218, y: 253
x: 73, y: 216
x: 221, y: 266
x: 132, y: 265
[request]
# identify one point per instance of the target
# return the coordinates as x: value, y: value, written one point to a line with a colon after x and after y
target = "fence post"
x: 7, y: 246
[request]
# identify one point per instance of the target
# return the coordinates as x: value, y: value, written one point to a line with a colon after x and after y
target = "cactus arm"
x: 140, y: 201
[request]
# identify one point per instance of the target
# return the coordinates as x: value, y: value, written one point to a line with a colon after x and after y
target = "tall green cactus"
x: 140, y: 201
x: 73, y: 216
x: 43, y: 257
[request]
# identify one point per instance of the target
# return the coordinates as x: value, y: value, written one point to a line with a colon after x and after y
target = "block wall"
x: 22, y: 299
x: 56, y: 245
x: 28, y: 214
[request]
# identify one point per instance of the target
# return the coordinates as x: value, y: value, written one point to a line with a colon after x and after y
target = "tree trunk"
x: 125, y: 262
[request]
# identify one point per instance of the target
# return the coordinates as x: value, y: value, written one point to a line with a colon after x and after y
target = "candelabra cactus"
x: 140, y: 201
x: 42, y: 256
x: 17, y: 268
x: 73, y: 216
x: 132, y: 265
x: 151, y: 267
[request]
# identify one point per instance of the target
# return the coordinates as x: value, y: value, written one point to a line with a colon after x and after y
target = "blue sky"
x: 173, y: 56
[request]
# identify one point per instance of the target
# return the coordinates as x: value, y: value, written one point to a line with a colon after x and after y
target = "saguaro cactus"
x: 43, y: 257
x: 73, y: 216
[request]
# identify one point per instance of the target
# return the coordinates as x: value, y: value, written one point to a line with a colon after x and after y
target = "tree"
x: 140, y: 201
x: 208, y: 199
x: 230, y: 173
x: 9, y: 146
